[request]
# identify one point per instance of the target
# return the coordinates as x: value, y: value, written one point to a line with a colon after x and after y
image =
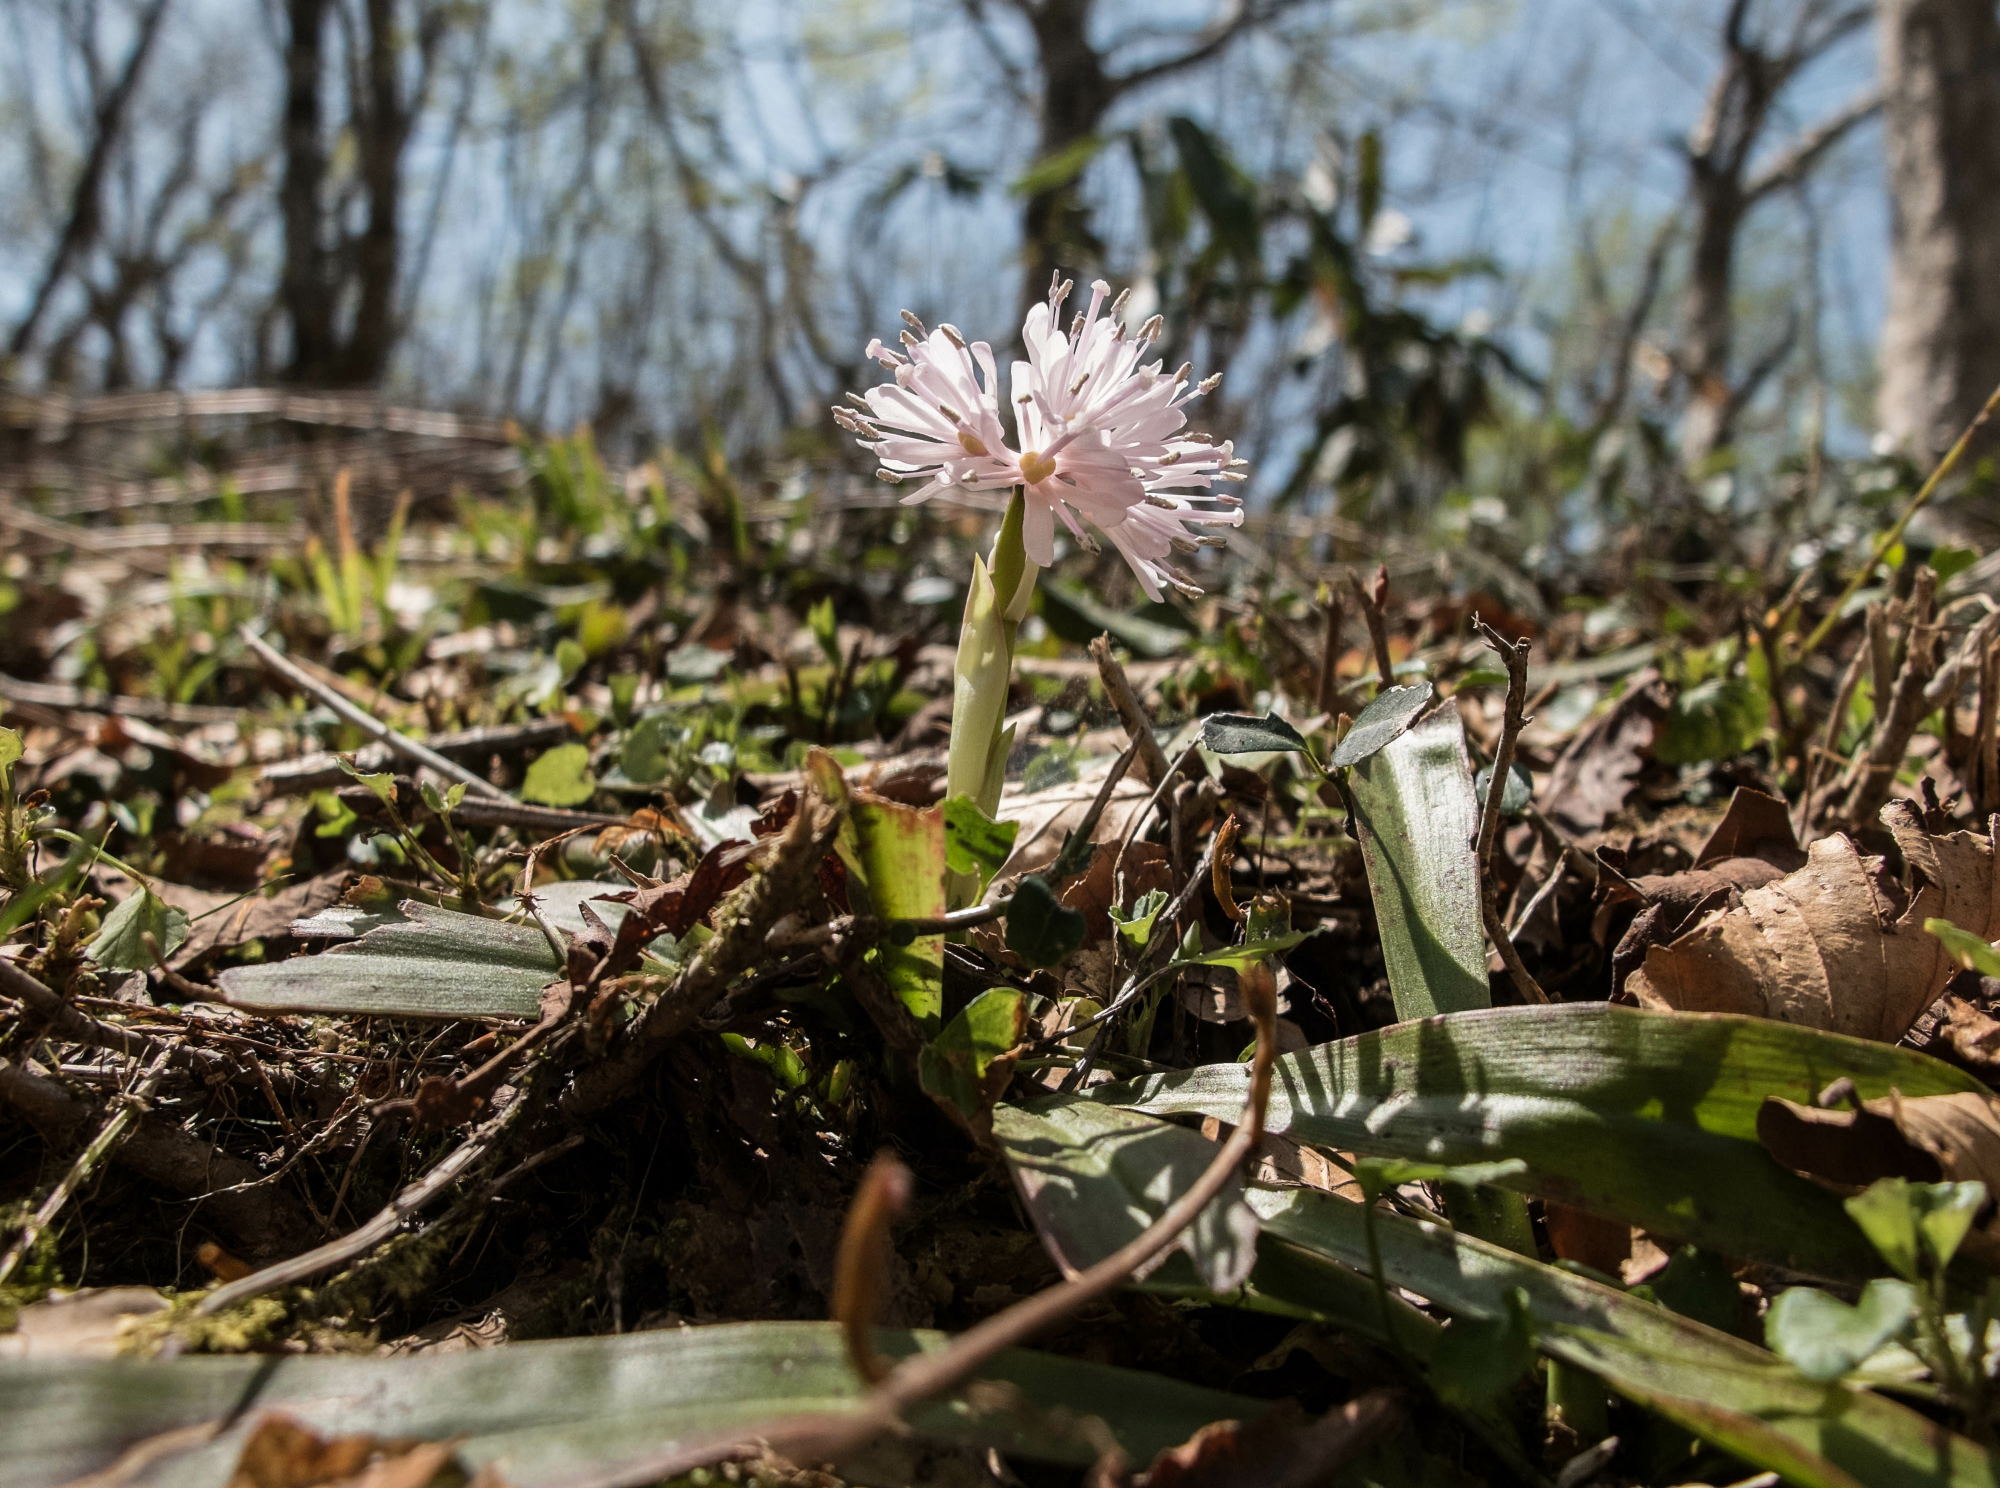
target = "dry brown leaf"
x: 1839, y: 944
x: 1594, y: 776
x: 1048, y: 816
x: 1931, y: 1138
x: 283, y: 1452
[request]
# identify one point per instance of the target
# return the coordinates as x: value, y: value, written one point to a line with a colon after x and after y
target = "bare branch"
x: 1792, y: 163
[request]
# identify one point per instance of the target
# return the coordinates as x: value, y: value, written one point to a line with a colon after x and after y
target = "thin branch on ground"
x: 1371, y: 599
x: 1153, y: 766
x: 920, y: 1377
x: 441, y: 1175
x: 367, y: 722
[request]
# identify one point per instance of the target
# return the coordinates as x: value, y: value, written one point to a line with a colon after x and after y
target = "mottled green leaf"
x: 1242, y: 733
x: 1417, y: 816
x: 1383, y: 720
x: 1649, y: 1118
x: 1824, y: 1338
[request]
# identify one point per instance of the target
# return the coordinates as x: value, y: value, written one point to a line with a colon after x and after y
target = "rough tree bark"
x: 1940, y: 352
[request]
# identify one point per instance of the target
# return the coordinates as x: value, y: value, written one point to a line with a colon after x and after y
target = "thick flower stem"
x: 994, y: 607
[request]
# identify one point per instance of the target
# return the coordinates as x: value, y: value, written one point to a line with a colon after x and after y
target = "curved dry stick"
x: 920, y: 1377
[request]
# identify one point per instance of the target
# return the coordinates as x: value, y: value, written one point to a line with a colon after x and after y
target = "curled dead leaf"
x: 1932, y: 1138
x: 1840, y: 943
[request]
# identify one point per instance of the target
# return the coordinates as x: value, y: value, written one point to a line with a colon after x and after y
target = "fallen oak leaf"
x: 1840, y: 943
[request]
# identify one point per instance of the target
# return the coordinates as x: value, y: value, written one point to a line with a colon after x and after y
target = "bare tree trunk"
x: 1075, y: 94
x: 378, y: 250
x: 303, y: 290
x: 1941, y: 106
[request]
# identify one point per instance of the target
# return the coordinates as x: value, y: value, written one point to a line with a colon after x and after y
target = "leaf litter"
x: 559, y: 1007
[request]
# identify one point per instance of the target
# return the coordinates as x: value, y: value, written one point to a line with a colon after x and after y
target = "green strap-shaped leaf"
x: 550, y: 1410
x: 1314, y: 1247
x: 435, y: 964
x: 1646, y: 1117
x: 1417, y: 816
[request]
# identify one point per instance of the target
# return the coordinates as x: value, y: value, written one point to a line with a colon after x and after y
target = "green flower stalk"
x: 1099, y: 444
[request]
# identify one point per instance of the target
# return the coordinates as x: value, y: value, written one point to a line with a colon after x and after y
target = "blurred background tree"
x: 1591, y: 260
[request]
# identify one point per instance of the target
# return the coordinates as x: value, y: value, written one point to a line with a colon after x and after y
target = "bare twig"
x: 1512, y: 721
x: 441, y: 1175
x: 318, y: 771
x: 1153, y: 765
x: 1326, y: 691
x: 67, y: 1022
x: 921, y: 1377
x: 266, y: 1222
x: 1370, y: 599
x: 740, y: 936
x: 100, y: 1146
x: 362, y: 719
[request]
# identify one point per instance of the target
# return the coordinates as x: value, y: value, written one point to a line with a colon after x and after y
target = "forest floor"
x: 471, y: 918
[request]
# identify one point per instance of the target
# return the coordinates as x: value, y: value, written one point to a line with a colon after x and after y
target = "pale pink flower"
x: 1099, y: 437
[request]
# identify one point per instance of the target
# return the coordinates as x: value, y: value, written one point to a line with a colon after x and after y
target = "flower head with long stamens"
x: 1100, y: 436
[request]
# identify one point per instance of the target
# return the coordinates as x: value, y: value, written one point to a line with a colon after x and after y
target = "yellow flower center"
x: 969, y: 442
x: 1036, y: 467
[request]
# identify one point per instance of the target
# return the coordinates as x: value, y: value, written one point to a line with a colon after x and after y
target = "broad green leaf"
x: 644, y: 756
x: 1713, y: 720
x: 560, y: 777
x: 1729, y: 1392
x: 120, y: 942
x: 381, y: 782
x: 1416, y: 815
x: 1074, y: 614
x: 958, y: 1064
x: 1824, y: 1338
x: 1227, y: 197
x: 1250, y: 952
x: 436, y: 963
x: 1384, y: 719
x: 1380, y: 1175
x: 1040, y: 930
x: 973, y: 841
x: 1646, y: 1117
x: 896, y: 858
x: 1242, y: 733
x: 1093, y: 1177
x: 547, y: 1411
x: 825, y: 628
x: 1967, y: 949
x: 1945, y: 1212
x: 1054, y: 171
x: 10, y: 750
x: 1479, y: 1358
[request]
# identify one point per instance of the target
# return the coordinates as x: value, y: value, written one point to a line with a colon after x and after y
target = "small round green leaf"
x: 561, y: 777
x: 1824, y: 1338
